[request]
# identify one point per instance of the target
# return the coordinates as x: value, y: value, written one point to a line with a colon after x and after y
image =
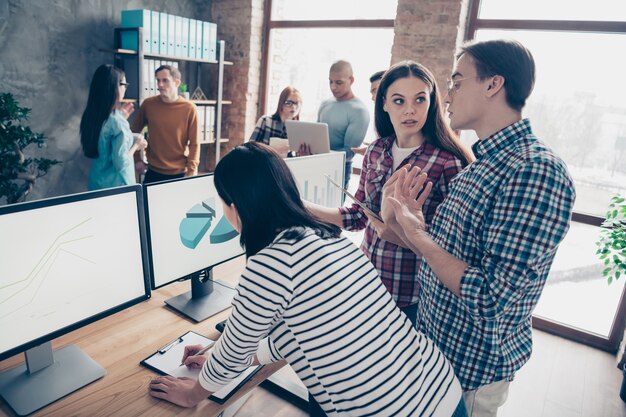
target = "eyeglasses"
x: 454, y: 85
x: 124, y: 84
x: 289, y: 103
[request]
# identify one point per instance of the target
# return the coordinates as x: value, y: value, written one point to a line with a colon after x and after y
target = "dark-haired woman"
x: 311, y: 297
x: 104, y: 131
x: 410, y: 121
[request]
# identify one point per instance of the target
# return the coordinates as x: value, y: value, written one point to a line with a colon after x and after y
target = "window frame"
x: 610, y: 344
x: 270, y: 24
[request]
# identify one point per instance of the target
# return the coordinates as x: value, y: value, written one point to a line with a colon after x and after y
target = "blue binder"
x: 154, y: 32
x: 136, y: 19
x: 163, y: 32
x: 198, y: 39
x: 191, y: 51
x: 171, y: 35
x: 213, y: 42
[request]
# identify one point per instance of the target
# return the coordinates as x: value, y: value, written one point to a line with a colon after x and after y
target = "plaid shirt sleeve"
x: 529, y: 219
x: 449, y: 169
x: 259, y: 134
x: 352, y: 216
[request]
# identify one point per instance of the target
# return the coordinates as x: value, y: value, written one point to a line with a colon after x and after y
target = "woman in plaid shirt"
x: 409, y: 120
x: 289, y: 104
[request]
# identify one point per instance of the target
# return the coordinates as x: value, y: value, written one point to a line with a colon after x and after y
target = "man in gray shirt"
x: 346, y: 116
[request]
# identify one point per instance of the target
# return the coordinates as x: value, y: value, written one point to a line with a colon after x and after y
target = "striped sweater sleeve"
x: 264, y: 292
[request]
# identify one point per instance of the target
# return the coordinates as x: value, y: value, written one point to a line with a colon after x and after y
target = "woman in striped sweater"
x: 337, y: 326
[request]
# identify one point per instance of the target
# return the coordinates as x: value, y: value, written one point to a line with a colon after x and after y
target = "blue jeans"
x: 460, y: 411
x: 411, y: 313
x: 314, y: 408
x: 346, y: 179
x: 346, y: 174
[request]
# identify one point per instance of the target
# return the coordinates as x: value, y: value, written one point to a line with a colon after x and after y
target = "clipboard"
x: 357, y: 202
x: 166, y: 361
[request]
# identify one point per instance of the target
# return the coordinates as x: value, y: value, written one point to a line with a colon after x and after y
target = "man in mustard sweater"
x: 173, y: 150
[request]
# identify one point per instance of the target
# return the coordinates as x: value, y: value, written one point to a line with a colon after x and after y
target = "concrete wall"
x: 49, y: 51
x: 48, y: 54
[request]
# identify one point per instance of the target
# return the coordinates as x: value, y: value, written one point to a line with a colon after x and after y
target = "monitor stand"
x: 206, y: 298
x: 46, y: 377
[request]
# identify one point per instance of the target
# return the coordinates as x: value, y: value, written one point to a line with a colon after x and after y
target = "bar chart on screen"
x: 324, y: 195
x: 310, y: 174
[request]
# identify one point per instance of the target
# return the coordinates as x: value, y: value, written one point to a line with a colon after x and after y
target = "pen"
x: 200, y: 352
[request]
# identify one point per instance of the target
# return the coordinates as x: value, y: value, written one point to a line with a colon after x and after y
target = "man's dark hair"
x: 377, y: 76
x: 258, y: 182
x: 509, y: 59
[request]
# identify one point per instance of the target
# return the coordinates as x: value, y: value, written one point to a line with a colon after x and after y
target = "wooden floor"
x: 562, y: 379
x: 565, y: 379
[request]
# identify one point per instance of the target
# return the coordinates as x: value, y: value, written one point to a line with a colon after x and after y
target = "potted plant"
x: 184, y: 91
x: 612, y: 251
x: 612, y: 242
x: 18, y: 172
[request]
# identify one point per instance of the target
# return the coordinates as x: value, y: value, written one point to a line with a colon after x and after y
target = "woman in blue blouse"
x: 104, y: 131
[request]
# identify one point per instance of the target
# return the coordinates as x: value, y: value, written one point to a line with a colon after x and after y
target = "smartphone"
x: 360, y: 204
x: 220, y: 326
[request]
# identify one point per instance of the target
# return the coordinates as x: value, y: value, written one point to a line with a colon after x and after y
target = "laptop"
x: 311, y: 133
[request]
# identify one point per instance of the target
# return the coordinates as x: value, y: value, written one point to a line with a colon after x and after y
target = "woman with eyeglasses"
x: 105, y: 133
x: 310, y: 296
x: 289, y: 104
x: 410, y: 121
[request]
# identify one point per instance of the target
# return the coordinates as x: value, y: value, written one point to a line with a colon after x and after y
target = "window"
x: 305, y: 38
x: 561, y: 10
x: 578, y: 108
x: 333, y: 9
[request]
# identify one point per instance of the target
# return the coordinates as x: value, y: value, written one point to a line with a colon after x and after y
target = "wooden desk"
x: 119, y: 342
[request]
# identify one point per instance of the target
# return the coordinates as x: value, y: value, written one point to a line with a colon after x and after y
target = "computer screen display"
x: 68, y: 261
x: 310, y: 175
x: 188, y: 231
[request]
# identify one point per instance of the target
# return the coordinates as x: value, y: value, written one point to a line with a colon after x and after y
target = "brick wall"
x: 240, y: 25
x: 429, y: 31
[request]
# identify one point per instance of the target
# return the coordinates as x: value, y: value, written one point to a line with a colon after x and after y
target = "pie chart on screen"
x: 197, y: 222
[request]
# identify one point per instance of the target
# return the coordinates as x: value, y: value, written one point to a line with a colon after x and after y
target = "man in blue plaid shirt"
x: 492, y: 241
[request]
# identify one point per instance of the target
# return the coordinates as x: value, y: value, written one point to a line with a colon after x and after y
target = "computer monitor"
x: 310, y: 173
x: 188, y: 235
x: 64, y: 263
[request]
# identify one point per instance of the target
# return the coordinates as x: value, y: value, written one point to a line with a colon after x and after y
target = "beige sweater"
x: 172, y: 135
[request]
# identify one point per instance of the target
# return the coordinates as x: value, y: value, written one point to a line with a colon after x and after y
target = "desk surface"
x: 119, y: 342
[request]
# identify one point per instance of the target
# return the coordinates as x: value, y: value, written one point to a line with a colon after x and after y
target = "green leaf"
x: 12, y: 134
